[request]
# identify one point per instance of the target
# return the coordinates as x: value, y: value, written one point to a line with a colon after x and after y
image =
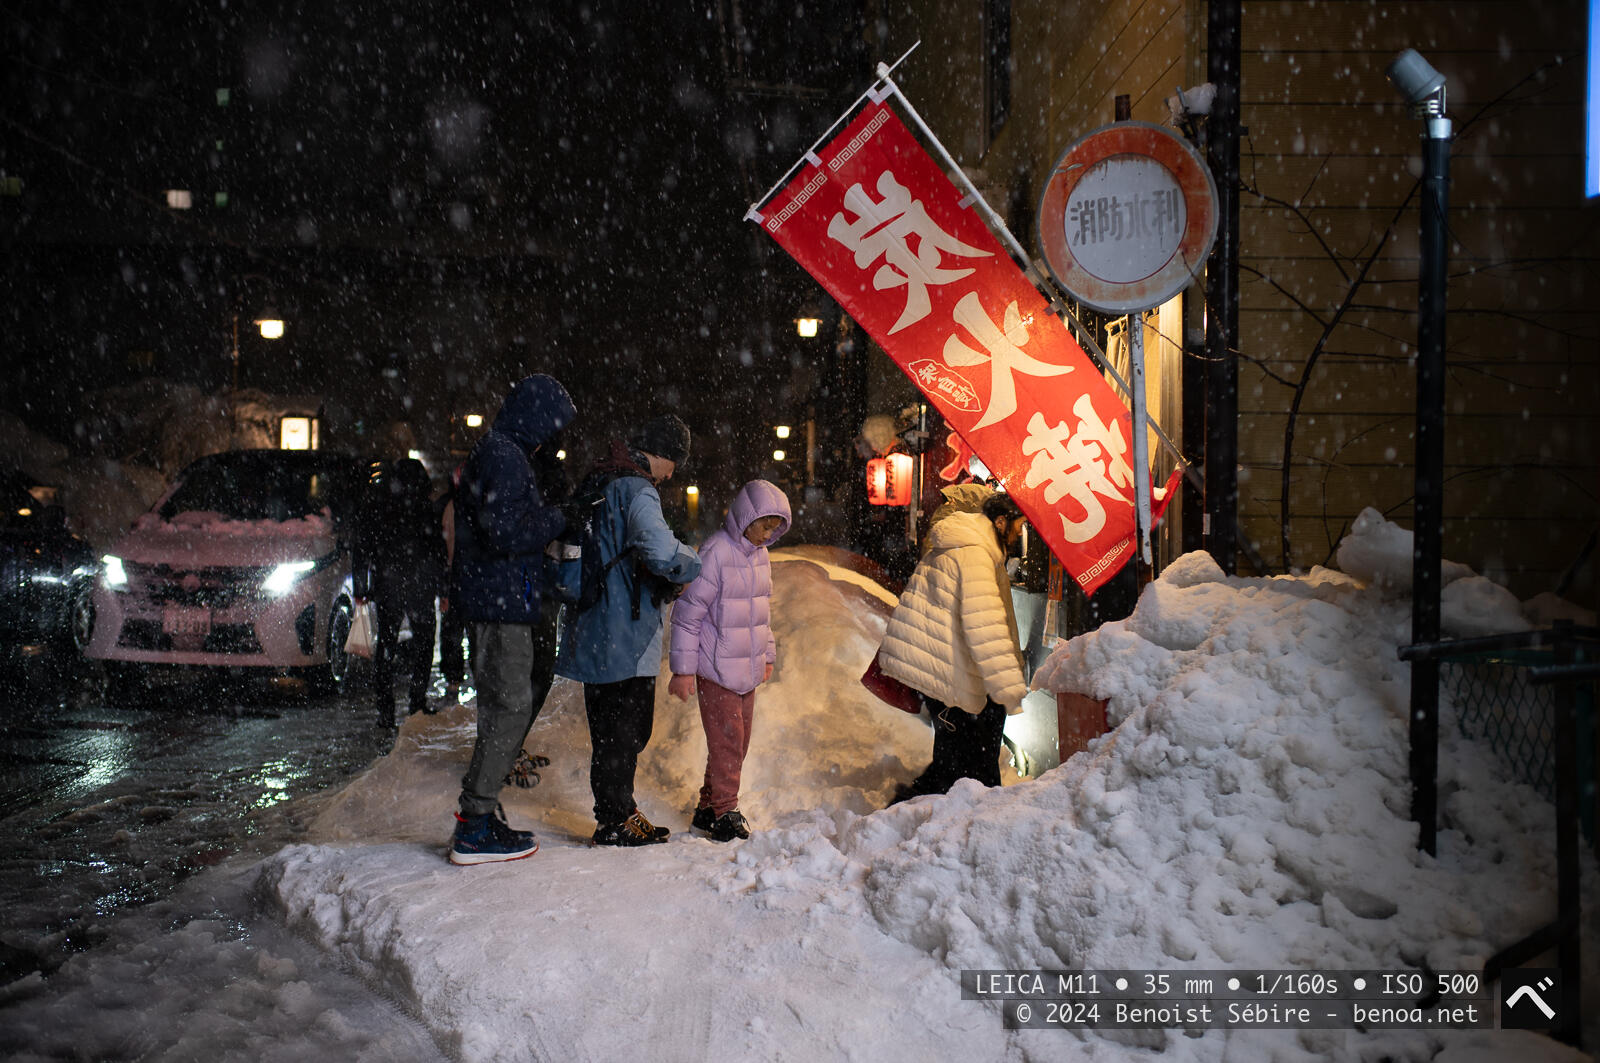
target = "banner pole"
x: 1000, y: 230
x: 1141, y: 446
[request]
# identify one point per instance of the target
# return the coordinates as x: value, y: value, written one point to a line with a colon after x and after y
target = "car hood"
x: 197, y: 540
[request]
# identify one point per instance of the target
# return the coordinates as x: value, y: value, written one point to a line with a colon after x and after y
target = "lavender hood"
x: 722, y: 624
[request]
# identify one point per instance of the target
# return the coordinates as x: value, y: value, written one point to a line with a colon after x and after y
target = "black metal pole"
x: 1194, y: 426
x: 1428, y: 526
x: 1222, y: 289
x: 1569, y: 909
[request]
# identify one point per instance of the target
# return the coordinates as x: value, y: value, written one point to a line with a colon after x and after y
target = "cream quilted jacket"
x: 953, y: 635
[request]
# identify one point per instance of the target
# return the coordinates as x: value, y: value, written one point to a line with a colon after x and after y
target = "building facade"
x: 1330, y: 164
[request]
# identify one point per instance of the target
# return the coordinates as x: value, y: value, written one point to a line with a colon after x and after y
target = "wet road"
x: 104, y: 807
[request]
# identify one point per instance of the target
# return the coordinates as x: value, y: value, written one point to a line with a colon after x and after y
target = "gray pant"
x: 512, y: 667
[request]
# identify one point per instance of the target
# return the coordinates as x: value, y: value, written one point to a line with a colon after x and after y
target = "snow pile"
x: 100, y: 497
x: 133, y: 440
x: 175, y: 986
x: 1249, y: 810
x: 220, y: 525
x: 1379, y: 554
x: 820, y: 741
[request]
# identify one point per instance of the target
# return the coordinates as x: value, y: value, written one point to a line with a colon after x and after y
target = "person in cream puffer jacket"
x: 953, y: 639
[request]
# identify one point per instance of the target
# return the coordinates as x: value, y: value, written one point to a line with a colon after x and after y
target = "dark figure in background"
x: 452, y: 623
x: 400, y: 566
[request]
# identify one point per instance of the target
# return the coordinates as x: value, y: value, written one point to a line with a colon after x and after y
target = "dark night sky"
x: 454, y: 193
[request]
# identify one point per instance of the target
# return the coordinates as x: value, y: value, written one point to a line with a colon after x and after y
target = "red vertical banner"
x: 882, y: 228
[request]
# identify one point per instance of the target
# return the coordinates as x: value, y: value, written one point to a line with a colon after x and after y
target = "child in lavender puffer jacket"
x: 722, y: 644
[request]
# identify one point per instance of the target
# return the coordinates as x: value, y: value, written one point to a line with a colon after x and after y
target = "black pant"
x: 452, y: 626
x: 396, y: 601
x: 964, y: 746
x: 621, y: 717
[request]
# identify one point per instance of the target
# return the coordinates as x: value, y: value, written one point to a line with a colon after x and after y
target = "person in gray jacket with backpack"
x: 612, y: 638
x: 504, y: 522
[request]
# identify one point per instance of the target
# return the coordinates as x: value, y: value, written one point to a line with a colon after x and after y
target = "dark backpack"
x: 584, y: 513
x: 583, y: 524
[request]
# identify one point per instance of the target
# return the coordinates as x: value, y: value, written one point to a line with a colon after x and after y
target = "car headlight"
x: 115, y: 575
x: 283, y: 578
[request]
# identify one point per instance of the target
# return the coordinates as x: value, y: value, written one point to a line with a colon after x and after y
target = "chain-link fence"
x: 1530, y: 697
x: 1499, y: 704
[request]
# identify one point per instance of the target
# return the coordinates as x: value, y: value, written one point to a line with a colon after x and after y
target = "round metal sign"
x: 1128, y: 217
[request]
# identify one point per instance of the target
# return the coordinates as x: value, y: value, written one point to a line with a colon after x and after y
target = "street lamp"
x: 1423, y: 88
x: 808, y: 321
x: 271, y: 329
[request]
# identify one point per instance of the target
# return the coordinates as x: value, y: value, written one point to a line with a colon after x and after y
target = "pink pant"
x: 727, y: 718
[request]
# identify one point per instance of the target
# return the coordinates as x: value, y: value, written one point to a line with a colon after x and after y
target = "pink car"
x: 243, y: 563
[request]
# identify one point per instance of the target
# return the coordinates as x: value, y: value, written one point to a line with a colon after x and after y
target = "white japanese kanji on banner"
x: 878, y: 224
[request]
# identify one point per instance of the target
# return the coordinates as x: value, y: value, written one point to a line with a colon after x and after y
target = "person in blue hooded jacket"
x: 504, y: 521
x: 614, y: 646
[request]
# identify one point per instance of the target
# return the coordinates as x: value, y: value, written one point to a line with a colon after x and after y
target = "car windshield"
x: 247, y: 486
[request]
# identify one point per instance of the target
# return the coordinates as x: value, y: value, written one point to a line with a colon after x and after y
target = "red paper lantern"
x: 889, y: 480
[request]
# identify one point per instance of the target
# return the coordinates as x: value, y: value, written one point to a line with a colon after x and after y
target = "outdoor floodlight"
x: 1420, y: 84
x: 806, y: 326
x: 782, y: 431
x: 1423, y: 88
x: 271, y: 327
x: 1195, y: 102
x: 474, y: 420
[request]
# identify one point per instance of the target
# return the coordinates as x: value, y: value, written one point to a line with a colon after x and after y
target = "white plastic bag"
x: 363, y: 635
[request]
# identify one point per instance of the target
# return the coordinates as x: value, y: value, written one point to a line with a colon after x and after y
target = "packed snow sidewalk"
x: 1249, y: 811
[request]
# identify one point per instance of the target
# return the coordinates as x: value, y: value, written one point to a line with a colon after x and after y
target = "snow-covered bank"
x: 204, y: 976
x: 1248, y: 811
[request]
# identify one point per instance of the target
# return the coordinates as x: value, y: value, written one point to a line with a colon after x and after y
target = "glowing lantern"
x: 889, y: 480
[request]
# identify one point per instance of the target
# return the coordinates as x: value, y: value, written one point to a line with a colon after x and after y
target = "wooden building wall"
x: 1328, y: 235
x: 1330, y: 164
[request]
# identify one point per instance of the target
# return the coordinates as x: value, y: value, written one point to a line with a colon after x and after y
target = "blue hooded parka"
x: 503, y: 523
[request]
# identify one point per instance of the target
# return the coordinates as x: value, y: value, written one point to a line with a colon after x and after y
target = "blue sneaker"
x: 487, y: 839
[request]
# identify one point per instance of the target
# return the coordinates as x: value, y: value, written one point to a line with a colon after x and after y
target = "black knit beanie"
x: 665, y: 436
